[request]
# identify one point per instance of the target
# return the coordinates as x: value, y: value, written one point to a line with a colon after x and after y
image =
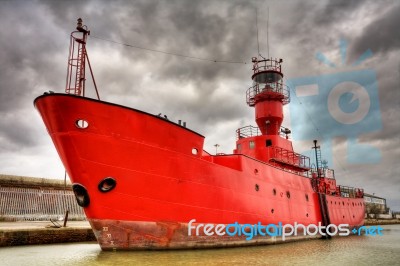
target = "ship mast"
x: 75, y: 82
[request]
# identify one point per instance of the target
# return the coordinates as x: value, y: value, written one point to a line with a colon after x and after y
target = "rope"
x: 170, y: 53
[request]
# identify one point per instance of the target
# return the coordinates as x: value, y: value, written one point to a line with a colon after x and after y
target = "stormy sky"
x: 210, y: 96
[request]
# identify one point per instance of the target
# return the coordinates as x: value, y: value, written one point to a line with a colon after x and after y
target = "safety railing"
x: 247, y: 131
x: 266, y: 64
x: 281, y: 155
x: 350, y: 192
x: 276, y: 90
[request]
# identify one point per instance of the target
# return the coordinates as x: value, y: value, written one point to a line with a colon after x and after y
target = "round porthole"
x: 107, y: 184
x: 288, y: 194
x: 306, y: 197
x: 82, y: 124
x: 272, y: 210
x: 274, y: 191
x: 257, y: 187
x: 81, y: 195
x: 195, y: 151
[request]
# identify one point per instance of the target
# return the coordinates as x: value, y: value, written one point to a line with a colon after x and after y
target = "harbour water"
x: 351, y: 250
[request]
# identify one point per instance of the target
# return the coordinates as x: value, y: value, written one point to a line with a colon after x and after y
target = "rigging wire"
x: 170, y: 53
x: 318, y: 131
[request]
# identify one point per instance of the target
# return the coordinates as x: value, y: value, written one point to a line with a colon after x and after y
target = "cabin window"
x: 268, y: 142
x: 239, y: 147
x: 251, y: 144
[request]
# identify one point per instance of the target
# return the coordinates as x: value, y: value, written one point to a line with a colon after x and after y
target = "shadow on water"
x: 351, y: 250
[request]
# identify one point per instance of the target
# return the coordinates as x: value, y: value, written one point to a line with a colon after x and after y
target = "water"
x: 352, y: 250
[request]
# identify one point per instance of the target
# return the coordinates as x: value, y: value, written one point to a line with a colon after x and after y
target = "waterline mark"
x: 277, y: 230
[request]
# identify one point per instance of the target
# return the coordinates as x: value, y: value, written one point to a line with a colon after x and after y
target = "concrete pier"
x: 34, y: 233
x: 29, y: 204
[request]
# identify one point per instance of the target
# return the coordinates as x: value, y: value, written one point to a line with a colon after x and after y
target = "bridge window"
x: 239, y: 147
x: 251, y: 144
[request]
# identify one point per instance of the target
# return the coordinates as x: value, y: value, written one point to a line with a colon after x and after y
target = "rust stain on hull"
x: 136, y: 235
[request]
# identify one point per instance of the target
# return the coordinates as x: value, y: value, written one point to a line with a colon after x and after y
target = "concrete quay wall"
x: 38, y: 233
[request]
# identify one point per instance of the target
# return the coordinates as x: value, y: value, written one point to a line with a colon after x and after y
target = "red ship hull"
x: 164, y: 179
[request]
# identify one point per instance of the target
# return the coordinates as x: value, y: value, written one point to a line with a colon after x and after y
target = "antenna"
x: 258, y: 43
x: 267, y: 32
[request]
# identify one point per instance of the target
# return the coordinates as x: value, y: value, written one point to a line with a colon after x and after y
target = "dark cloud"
x: 381, y: 35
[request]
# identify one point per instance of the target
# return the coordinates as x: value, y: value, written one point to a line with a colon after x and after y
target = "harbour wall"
x: 23, y: 233
x: 37, y: 199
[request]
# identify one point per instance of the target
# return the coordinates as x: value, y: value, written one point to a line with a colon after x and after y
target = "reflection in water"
x: 352, y: 250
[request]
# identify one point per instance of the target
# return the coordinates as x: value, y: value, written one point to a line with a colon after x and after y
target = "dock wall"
x: 37, y: 199
x: 39, y: 236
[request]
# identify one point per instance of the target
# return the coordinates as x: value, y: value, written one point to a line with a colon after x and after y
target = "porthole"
x: 288, y: 194
x: 343, y: 203
x: 81, y: 195
x: 306, y: 214
x: 306, y: 197
x: 274, y: 192
x: 107, y: 184
x: 272, y: 210
x: 195, y: 151
x: 256, y: 171
x: 82, y: 124
x: 257, y: 187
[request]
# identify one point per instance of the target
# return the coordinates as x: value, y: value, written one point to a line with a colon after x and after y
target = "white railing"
x: 34, y: 204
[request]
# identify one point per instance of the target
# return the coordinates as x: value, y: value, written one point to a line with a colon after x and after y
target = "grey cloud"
x: 381, y: 35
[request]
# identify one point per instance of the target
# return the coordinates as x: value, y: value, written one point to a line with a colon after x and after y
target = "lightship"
x: 141, y: 178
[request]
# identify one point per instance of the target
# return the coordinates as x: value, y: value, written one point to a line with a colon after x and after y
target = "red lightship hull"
x: 164, y: 179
